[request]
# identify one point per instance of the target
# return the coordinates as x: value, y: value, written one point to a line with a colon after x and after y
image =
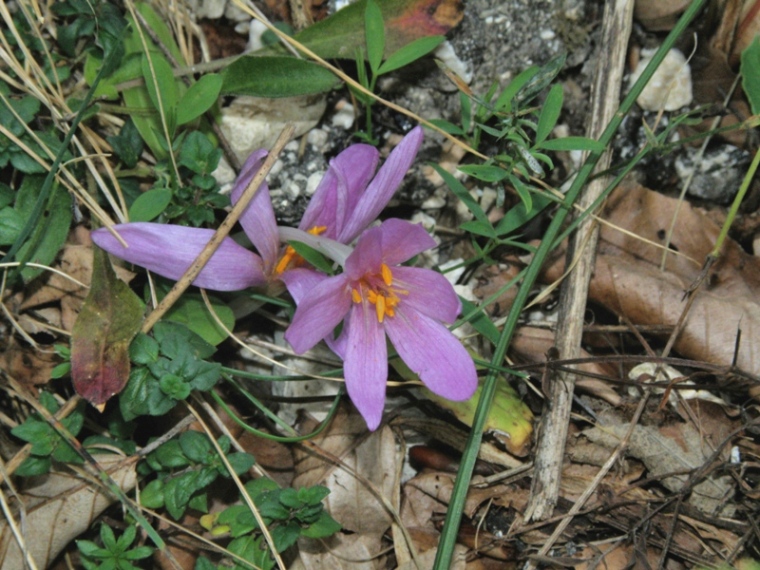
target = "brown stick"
x: 618, y: 17
x: 221, y: 233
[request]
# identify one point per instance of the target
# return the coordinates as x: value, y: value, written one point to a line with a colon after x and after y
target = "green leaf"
x: 197, y: 447
x: 199, y: 154
x: 175, y: 340
x: 549, y: 113
x: 240, y: 462
x: 461, y: 192
x: 161, y: 87
x: 374, y: 30
x: 199, y: 98
x: 521, y: 214
x: 143, y: 350
x: 191, y: 311
x: 324, y: 527
x: 143, y: 396
x: 542, y: 79
x: 175, y: 386
x: 11, y: 224
x: 149, y: 205
x: 109, y: 320
x: 312, y: 256
x: 504, y: 101
x: 285, y: 536
x: 750, y: 71
x: 522, y: 191
x: 343, y: 33
x: 448, y: 127
x: 34, y: 466
x: 47, y: 238
x: 410, y: 52
x: 127, y: 144
x: 485, y: 172
x: 571, y: 143
x: 276, y: 76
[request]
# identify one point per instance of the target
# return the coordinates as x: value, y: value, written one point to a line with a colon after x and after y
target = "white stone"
x: 445, y: 52
x: 313, y: 182
x: 669, y: 89
x: 344, y: 118
x: 251, y: 123
x: 256, y: 29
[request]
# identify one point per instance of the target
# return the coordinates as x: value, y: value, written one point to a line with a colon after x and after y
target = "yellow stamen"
x: 291, y: 257
x: 372, y: 296
x: 285, y: 260
x: 356, y: 296
x: 385, y: 271
x: 380, y: 308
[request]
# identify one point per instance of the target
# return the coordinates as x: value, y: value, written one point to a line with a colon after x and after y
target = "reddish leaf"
x: 109, y: 320
x: 342, y: 34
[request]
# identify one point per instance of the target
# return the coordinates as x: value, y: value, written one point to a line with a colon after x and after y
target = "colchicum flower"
x: 375, y: 296
x: 346, y: 201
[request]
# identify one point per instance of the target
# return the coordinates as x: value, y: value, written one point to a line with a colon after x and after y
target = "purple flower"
x: 346, y: 201
x: 375, y: 297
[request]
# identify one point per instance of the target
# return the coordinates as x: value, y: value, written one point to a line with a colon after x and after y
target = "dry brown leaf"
x: 627, y: 279
x: 339, y: 552
x: 674, y: 448
x: 59, y: 508
x: 656, y: 15
x: 373, y: 456
x: 532, y: 343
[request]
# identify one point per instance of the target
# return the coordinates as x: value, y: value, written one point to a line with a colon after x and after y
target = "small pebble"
x: 669, y: 89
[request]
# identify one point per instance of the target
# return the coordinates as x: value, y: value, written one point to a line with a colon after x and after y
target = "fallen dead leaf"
x: 675, y: 448
x: 58, y: 508
x: 627, y: 279
x: 362, y: 471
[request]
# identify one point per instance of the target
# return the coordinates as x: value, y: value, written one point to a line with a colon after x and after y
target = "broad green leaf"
x: 374, y: 29
x: 161, y: 87
x: 47, y: 238
x: 109, y: 320
x: 410, y: 52
x: 191, y: 311
x: 199, y: 98
x: 750, y: 71
x: 11, y: 224
x: 549, y: 113
x: 149, y: 205
x: 571, y: 143
x: 276, y: 76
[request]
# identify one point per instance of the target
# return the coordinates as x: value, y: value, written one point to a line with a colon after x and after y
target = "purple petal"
x: 319, y: 313
x: 382, y: 188
x: 340, y: 189
x: 433, y: 353
x: 169, y: 250
x: 301, y: 281
x: 367, y: 255
x: 430, y: 293
x: 402, y: 240
x: 258, y: 219
x: 366, y: 364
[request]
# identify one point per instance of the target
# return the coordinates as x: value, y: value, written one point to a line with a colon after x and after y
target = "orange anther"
x: 385, y: 271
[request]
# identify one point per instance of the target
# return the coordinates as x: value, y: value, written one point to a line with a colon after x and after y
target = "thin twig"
x: 618, y: 19
x: 221, y: 233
